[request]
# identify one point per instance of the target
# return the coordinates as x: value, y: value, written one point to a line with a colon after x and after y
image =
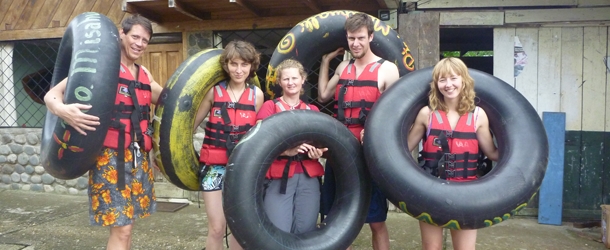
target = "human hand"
x: 331, y: 55
x: 316, y: 153
x: 361, y: 136
x: 74, y: 116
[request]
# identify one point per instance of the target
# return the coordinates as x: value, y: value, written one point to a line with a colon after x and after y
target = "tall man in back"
x: 356, y: 85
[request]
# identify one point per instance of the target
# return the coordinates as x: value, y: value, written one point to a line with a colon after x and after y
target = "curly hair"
x: 444, y: 68
x: 240, y: 50
x: 290, y: 64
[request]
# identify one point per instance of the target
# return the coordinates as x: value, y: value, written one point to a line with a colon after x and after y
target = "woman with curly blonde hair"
x: 453, y: 130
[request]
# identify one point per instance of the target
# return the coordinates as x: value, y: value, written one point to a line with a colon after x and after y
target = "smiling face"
x: 291, y: 81
x: 238, y: 70
x: 450, y: 85
x: 134, y: 42
x: 359, y: 42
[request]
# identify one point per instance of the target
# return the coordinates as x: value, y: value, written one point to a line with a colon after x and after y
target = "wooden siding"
x: 40, y: 19
x: 565, y: 71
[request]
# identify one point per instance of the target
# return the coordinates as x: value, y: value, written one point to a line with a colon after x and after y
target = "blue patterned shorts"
x: 214, y: 177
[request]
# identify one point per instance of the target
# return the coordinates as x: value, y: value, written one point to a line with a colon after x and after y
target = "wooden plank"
x: 571, y: 172
x: 246, y: 6
x: 606, y: 169
x: 487, y: 18
x: 81, y: 7
x: 589, y: 3
x: 429, y: 39
x: 549, y: 70
x: 551, y: 189
x: 504, y: 47
x: 236, y: 24
x: 188, y: 10
x: 557, y: 15
x: 12, y: 15
x: 527, y: 81
x: 115, y: 13
x: 233, y: 24
x: 441, y: 4
x: 62, y: 15
x: 45, y: 14
x: 607, y: 65
x: 594, y: 79
x: 591, y: 170
x: 103, y: 6
x: 313, y: 5
x: 408, y: 30
x: 4, y: 6
x: 571, y: 76
x: 29, y: 14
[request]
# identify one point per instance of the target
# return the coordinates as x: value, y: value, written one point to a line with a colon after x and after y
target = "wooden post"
x: 551, y: 190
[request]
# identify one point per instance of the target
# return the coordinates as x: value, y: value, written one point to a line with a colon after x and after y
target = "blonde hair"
x: 467, y: 94
x: 290, y: 64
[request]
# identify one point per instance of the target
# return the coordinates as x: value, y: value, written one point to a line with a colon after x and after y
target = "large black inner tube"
x: 89, y: 55
x: 495, y: 197
x: 243, y: 189
x: 320, y: 34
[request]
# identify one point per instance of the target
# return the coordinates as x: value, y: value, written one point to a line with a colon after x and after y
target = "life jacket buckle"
x: 449, y: 157
x: 231, y: 105
x: 449, y: 173
x: 448, y: 133
x: 348, y: 120
x: 149, y: 130
x: 350, y: 82
x: 233, y: 137
x: 347, y: 104
x: 449, y: 164
x: 234, y: 128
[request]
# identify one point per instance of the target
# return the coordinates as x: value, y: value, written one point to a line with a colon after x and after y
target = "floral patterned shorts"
x: 113, y: 207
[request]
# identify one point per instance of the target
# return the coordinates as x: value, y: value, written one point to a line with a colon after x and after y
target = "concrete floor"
x: 30, y: 220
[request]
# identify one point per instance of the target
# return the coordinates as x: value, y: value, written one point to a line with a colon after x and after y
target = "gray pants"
x: 297, y: 210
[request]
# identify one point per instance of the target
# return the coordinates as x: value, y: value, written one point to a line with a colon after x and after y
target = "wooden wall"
x: 567, y: 71
x: 39, y: 19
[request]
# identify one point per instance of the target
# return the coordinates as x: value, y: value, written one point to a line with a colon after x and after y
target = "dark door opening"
x: 473, y: 45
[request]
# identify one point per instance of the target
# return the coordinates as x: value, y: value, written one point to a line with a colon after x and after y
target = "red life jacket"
x: 131, y: 112
x: 131, y: 117
x: 453, y: 154
x: 356, y: 96
x: 227, y: 123
x: 284, y: 167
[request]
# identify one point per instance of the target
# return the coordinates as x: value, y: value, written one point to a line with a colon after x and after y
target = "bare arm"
x: 70, y: 113
x: 389, y: 75
x: 204, y: 108
x: 486, y: 143
x: 326, y: 87
x: 418, y: 129
x: 154, y: 86
x: 260, y: 98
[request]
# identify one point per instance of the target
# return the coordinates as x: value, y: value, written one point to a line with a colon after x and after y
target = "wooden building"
x: 555, y: 52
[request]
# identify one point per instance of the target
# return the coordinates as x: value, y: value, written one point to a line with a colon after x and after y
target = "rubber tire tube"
x: 89, y: 55
x: 493, y: 198
x: 243, y: 188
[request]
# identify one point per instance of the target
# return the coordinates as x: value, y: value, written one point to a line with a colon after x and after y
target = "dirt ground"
x: 30, y: 220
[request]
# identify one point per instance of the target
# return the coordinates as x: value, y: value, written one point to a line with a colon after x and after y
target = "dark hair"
x: 243, y: 50
x: 136, y: 19
x: 359, y: 20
